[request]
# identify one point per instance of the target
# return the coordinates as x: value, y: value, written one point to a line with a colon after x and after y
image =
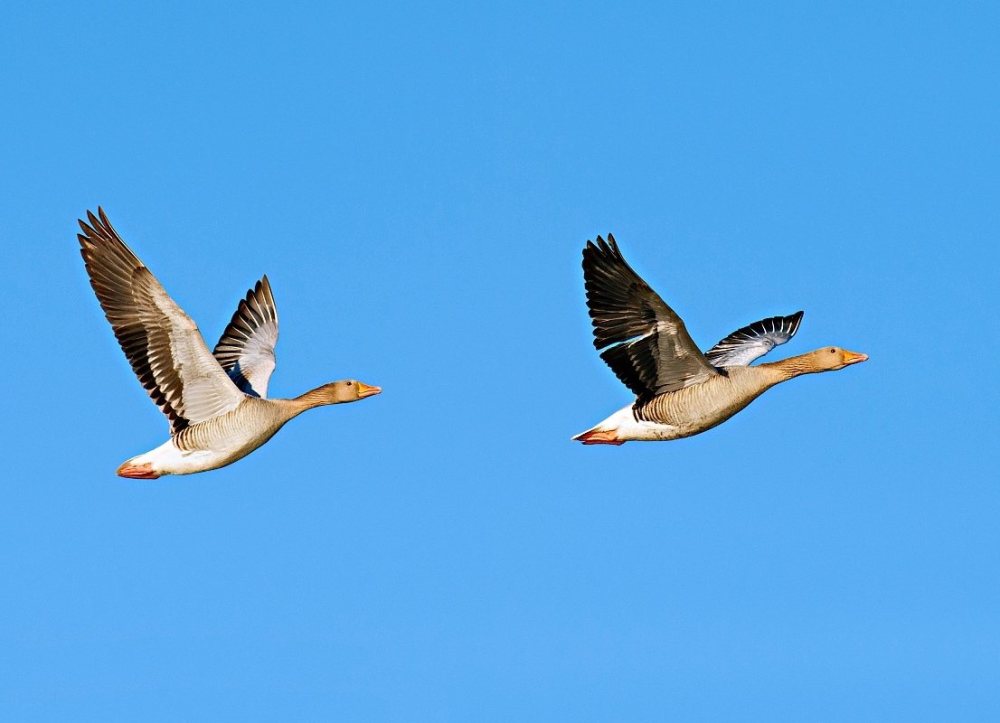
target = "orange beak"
x: 853, y: 357
x: 365, y: 390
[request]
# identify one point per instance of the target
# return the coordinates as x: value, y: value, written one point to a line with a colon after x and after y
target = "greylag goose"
x: 679, y: 390
x: 216, y: 402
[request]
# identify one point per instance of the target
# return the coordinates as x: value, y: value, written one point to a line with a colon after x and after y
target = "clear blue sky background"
x: 418, y: 183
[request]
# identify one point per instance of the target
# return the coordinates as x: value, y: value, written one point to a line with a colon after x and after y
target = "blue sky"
x: 418, y: 182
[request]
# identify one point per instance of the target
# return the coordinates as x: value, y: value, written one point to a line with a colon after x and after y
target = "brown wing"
x: 647, y: 345
x: 161, y: 342
x: 246, y: 349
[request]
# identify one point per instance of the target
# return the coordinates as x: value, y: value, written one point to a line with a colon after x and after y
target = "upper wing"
x: 743, y: 346
x: 162, y: 343
x: 246, y: 349
x: 648, y: 347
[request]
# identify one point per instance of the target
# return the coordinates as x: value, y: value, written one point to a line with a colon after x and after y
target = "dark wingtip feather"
x: 612, y: 246
x: 599, y: 249
x: 96, y: 227
x: 795, y: 320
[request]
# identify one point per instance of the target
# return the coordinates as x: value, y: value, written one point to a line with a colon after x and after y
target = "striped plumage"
x: 155, y: 333
x: 246, y: 349
x: 215, y: 404
x: 679, y: 390
x: 754, y: 340
x: 644, y: 340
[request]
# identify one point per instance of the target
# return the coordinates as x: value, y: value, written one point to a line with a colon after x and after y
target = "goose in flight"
x: 679, y: 390
x: 216, y: 402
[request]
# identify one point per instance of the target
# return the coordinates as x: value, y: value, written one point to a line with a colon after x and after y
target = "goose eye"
x: 833, y: 351
x: 352, y: 383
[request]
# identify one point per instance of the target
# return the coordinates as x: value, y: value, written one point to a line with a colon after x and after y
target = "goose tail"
x: 596, y: 435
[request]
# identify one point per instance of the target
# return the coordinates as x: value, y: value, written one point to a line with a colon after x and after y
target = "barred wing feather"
x: 246, y: 349
x: 754, y: 341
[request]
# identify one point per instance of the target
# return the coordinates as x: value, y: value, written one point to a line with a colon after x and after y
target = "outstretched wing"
x: 162, y: 343
x: 753, y: 341
x: 246, y: 349
x: 647, y: 345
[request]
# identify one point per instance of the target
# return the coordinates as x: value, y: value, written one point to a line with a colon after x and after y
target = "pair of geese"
x: 217, y: 404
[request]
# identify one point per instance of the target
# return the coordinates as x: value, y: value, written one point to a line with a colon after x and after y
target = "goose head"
x: 348, y: 390
x: 832, y: 358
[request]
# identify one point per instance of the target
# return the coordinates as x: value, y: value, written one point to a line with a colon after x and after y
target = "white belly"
x: 627, y: 428
x: 168, y: 459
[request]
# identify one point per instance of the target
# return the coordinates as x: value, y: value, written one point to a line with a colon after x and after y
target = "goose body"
x: 217, y: 442
x: 216, y: 402
x: 679, y: 390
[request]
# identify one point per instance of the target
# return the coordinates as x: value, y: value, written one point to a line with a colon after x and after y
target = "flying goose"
x: 679, y: 390
x: 216, y: 402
